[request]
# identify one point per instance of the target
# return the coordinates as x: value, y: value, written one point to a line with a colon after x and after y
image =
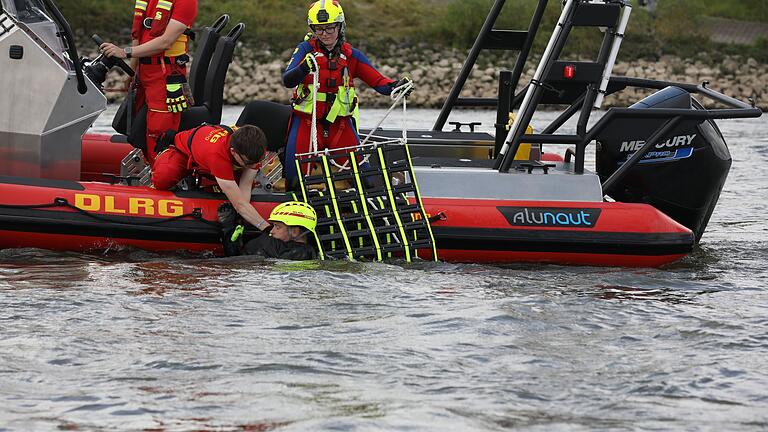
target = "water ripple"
x: 139, y: 341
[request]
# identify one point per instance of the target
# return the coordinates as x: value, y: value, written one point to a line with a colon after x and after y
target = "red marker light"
x: 569, y: 72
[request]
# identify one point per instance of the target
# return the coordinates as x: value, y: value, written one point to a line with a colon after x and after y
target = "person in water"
x: 220, y: 152
x: 160, y: 49
x: 326, y: 51
x: 293, y: 225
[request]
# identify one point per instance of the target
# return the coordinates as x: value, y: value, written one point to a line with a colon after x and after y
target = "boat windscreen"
x: 26, y: 11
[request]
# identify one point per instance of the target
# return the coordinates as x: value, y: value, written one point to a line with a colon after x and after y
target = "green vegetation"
x: 745, y: 10
x: 675, y: 27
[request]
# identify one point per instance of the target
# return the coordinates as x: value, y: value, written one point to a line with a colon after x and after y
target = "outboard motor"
x: 682, y: 175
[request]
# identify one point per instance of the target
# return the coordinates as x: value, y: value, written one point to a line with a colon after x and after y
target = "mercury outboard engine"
x: 682, y: 175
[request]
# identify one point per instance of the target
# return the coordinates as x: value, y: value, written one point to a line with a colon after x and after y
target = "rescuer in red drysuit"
x: 219, y: 152
x: 159, y: 47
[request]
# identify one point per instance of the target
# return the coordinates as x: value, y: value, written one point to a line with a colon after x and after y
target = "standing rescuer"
x: 159, y: 47
x: 337, y: 103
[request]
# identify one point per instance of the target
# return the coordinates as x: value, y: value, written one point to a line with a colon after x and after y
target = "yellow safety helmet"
x: 325, y: 12
x: 295, y: 213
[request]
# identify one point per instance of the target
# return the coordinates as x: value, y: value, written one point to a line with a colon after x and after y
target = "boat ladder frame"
x: 372, y: 211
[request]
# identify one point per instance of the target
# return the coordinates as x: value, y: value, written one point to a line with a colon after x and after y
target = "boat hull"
x: 97, y: 217
x: 589, y: 233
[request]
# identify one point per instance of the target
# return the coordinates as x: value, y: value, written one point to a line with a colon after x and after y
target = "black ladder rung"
x: 408, y: 208
x: 320, y: 202
x: 394, y: 149
x: 330, y: 237
x: 372, y: 172
x: 342, y: 175
x: 310, y: 159
x: 377, y: 192
x: 393, y: 247
x: 364, y: 252
x: 314, y: 178
x: 347, y: 198
x: 334, y: 223
x: 399, y: 169
x: 381, y: 191
x: 417, y: 226
x: 403, y: 188
x: 356, y: 233
x: 420, y: 244
x: 322, y: 223
x: 387, y: 229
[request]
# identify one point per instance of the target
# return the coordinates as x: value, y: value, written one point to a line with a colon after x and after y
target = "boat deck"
x: 465, y: 179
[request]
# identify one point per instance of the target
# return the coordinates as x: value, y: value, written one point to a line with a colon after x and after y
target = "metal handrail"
x: 734, y: 109
x: 66, y: 32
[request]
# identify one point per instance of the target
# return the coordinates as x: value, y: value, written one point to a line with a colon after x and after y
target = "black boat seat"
x: 208, y: 108
x: 271, y: 117
x: 209, y: 111
x: 207, y: 38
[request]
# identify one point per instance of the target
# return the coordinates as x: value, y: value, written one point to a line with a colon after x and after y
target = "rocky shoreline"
x: 257, y: 75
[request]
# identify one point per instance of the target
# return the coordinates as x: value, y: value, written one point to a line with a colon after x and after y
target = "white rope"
x: 352, y: 147
x: 405, y: 116
x: 315, y: 89
x: 398, y: 93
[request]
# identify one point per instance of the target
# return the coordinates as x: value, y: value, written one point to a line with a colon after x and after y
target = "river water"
x: 146, y: 342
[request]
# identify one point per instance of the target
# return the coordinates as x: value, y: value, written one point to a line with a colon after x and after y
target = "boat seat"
x: 209, y: 111
x: 271, y: 117
x: 208, y: 38
x: 208, y: 108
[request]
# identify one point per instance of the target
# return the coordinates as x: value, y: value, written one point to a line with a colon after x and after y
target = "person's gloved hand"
x: 404, y: 81
x: 309, y: 63
x: 231, y: 230
x: 227, y: 215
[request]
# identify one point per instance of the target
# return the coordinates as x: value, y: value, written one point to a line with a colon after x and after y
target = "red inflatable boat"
x: 491, y: 198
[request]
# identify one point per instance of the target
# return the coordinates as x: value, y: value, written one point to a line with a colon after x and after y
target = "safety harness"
x: 166, y: 141
x: 336, y: 96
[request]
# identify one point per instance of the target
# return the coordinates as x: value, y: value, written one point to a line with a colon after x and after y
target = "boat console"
x: 47, y: 103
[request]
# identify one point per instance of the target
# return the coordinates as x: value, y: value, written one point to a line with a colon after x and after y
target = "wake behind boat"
x: 661, y: 163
